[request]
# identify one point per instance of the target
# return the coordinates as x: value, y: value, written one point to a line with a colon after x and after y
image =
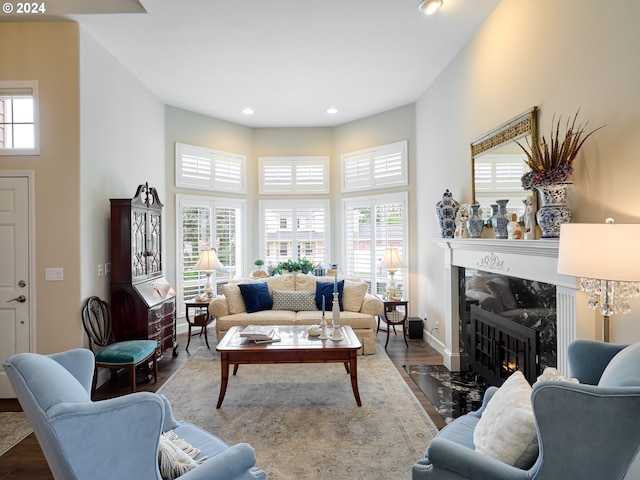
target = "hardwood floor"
x: 26, y: 461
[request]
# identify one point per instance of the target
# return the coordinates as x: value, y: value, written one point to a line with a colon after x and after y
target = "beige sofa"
x: 360, y: 308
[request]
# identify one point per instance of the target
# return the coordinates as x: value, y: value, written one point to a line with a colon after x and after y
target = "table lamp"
x: 392, y: 261
x: 605, y: 257
x: 208, y: 262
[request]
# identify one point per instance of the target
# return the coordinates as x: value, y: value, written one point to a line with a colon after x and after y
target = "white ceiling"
x: 289, y: 60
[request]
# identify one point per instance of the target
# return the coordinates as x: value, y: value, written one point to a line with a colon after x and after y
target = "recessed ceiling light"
x: 332, y: 110
x: 247, y: 111
x: 429, y: 6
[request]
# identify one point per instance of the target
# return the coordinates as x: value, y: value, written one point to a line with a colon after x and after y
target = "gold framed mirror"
x: 498, y: 163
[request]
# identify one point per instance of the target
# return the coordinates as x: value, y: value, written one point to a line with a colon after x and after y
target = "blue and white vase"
x: 499, y: 221
x: 475, y: 224
x: 446, y: 210
x: 553, y: 211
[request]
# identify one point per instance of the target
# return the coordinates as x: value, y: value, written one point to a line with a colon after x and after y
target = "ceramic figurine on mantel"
x: 499, y: 221
x: 514, y: 230
x: 529, y: 218
x: 462, y: 219
x: 475, y: 224
x: 446, y: 211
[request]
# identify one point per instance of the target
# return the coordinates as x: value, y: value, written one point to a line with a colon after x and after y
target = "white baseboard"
x: 434, y: 342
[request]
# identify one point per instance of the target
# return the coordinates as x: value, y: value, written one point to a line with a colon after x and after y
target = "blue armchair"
x: 586, y: 430
x: 116, y: 438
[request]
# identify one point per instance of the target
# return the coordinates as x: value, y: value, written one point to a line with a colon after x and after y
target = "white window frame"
x: 374, y: 168
x: 292, y: 170
x: 24, y: 88
x: 213, y: 203
x: 266, y: 205
x: 379, y: 278
x: 214, y: 170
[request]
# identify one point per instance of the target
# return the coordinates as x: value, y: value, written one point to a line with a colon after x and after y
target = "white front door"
x: 15, y: 284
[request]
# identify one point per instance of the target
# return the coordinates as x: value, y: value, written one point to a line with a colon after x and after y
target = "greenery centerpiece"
x: 553, y: 163
x: 259, y: 264
x: 304, y: 266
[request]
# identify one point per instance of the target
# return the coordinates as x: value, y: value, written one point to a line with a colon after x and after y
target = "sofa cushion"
x: 294, y: 301
x: 256, y: 296
x: 507, y: 431
x: 231, y: 291
x: 353, y: 295
x: 326, y: 289
x: 624, y: 369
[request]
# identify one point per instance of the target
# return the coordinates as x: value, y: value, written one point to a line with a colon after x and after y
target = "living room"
x: 115, y: 134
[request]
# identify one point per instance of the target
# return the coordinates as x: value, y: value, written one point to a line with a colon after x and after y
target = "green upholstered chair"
x: 96, y: 319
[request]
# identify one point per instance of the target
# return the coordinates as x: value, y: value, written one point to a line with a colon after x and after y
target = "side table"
x: 201, y: 319
x: 394, y: 313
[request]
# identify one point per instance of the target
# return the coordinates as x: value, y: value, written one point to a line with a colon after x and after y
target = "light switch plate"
x: 54, y: 274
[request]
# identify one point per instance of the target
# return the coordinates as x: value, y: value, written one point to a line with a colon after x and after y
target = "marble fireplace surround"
x: 529, y: 259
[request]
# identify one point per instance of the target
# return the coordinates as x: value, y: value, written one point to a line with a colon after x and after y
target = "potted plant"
x: 259, y: 264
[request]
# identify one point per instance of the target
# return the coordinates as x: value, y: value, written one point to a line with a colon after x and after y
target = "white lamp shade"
x: 392, y: 259
x: 208, y: 261
x: 601, y: 251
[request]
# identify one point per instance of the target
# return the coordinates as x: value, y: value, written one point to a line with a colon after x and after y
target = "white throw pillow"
x: 353, y: 295
x: 507, y: 431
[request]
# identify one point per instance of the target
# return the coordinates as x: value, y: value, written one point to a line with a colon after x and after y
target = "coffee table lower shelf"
x: 296, y: 346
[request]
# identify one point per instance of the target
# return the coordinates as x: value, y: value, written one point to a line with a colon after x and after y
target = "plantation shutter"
x: 202, y: 168
x: 294, y: 175
x: 379, y: 167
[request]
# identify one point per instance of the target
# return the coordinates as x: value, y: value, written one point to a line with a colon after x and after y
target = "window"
x: 372, y: 224
x: 294, y: 232
x: 374, y: 168
x: 294, y: 175
x: 204, y: 223
x: 206, y: 169
x: 19, y: 118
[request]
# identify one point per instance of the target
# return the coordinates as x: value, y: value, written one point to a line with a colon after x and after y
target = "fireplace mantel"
x: 528, y: 259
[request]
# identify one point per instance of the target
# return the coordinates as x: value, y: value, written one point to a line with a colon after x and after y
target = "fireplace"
x: 499, y: 347
x: 532, y: 260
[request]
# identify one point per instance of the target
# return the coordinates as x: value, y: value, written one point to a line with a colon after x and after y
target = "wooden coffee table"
x: 295, y: 346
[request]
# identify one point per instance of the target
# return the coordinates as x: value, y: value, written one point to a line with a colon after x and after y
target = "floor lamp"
x: 208, y: 262
x: 606, y: 259
x: 392, y: 261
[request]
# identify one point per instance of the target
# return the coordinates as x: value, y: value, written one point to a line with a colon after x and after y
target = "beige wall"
x: 48, y: 52
x: 560, y: 56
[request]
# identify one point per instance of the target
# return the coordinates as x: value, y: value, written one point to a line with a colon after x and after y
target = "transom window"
x: 378, y: 167
x: 203, y: 168
x: 19, y: 118
x: 294, y: 175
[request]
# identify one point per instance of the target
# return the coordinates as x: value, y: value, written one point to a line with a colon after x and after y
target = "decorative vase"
x: 499, y: 221
x: 446, y: 210
x: 553, y: 211
x: 336, y: 336
x: 475, y: 224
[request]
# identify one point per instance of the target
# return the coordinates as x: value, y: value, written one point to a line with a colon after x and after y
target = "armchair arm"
x: 229, y: 464
x: 101, y: 436
x: 589, y: 358
x: 485, y: 401
x: 567, y: 414
x: 219, y: 307
x: 461, y: 462
x: 371, y: 305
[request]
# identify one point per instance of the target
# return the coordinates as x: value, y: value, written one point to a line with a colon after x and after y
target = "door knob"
x: 20, y: 299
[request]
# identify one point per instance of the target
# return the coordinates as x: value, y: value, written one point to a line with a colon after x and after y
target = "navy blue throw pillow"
x: 256, y: 296
x: 326, y: 289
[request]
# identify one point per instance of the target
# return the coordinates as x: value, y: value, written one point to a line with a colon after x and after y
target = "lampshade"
x: 603, y: 251
x: 429, y: 6
x: 208, y: 261
x: 392, y: 259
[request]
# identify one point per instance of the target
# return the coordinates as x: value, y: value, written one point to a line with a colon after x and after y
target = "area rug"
x: 303, y: 420
x: 14, y: 427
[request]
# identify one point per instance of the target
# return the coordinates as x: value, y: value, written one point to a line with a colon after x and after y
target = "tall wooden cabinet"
x: 143, y: 303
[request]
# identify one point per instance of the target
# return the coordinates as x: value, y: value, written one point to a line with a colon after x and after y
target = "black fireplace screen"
x: 500, y: 346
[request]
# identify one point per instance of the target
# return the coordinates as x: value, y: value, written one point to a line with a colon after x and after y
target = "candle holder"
x: 323, y: 328
x: 336, y: 336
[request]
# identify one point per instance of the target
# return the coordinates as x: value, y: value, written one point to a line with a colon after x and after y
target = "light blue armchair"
x: 111, y: 439
x: 589, y: 430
